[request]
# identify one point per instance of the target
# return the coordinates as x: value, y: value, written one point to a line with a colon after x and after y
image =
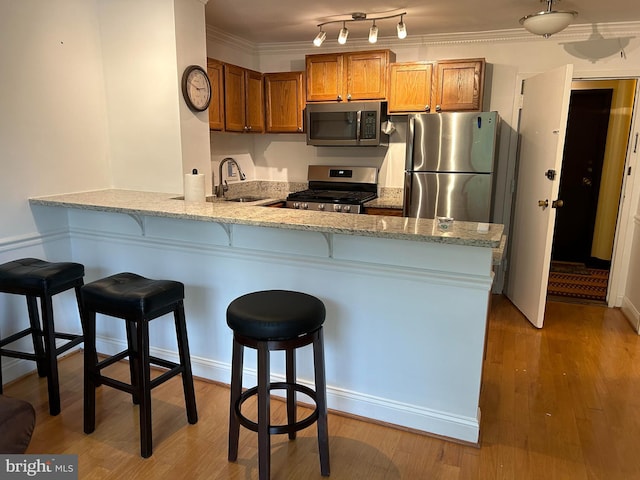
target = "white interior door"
x: 543, y: 122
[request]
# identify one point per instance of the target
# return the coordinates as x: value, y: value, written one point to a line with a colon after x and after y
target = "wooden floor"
x: 559, y: 403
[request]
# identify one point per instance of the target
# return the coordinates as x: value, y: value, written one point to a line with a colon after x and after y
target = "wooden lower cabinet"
x: 392, y: 212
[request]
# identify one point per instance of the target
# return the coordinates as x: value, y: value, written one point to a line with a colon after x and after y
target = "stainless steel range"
x: 336, y: 189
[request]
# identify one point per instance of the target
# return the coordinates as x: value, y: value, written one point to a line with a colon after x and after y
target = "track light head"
x: 373, y: 33
x: 344, y: 33
x: 320, y: 38
x: 402, y: 29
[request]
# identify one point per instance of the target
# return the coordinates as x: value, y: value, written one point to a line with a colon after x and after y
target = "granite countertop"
x: 255, y: 213
x: 388, y: 197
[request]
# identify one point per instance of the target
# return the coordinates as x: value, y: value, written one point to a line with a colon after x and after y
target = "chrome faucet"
x: 223, y: 186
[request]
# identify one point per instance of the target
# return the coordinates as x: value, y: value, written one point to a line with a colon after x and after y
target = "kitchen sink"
x: 245, y: 199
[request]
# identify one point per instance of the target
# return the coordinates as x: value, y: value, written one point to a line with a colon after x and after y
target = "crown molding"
x: 221, y: 37
x: 573, y: 32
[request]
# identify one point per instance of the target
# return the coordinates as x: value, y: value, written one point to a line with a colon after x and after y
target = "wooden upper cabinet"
x: 284, y: 100
x: 367, y: 74
x: 348, y: 76
x: 254, y: 107
x: 325, y: 77
x: 216, y: 107
x: 410, y: 87
x: 459, y: 85
x: 244, y: 100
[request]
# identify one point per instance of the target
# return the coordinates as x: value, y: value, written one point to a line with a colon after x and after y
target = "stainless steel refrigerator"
x: 450, y: 160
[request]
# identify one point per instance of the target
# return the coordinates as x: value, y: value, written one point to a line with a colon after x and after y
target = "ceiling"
x: 276, y: 21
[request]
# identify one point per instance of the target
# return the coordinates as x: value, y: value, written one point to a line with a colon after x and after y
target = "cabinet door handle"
x: 348, y: 97
x: 438, y: 108
x: 427, y: 108
x: 339, y: 98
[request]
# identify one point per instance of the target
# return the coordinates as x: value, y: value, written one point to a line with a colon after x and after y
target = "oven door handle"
x: 358, y: 122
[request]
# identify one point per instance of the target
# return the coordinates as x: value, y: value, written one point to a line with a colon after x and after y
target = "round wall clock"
x: 196, y: 88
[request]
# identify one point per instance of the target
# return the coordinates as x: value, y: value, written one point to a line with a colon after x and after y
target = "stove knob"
x: 346, y: 208
x: 296, y: 204
x: 321, y: 206
x: 337, y: 208
x: 305, y: 206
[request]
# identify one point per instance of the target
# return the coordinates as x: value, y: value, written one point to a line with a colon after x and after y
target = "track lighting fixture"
x: 548, y: 22
x: 359, y: 17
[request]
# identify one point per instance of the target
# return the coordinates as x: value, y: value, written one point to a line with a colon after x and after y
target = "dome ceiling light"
x: 548, y: 22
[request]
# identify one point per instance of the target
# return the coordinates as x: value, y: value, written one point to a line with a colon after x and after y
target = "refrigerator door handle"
x: 358, y: 123
x: 409, y: 143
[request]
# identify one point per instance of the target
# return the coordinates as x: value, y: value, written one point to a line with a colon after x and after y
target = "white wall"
x: 143, y: 94
x: 91, y: 99
x: 191, y: 50
x: 53, y: 124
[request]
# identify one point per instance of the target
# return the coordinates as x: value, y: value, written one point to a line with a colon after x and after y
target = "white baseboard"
x: 466, y: 429
x: 631, y: 312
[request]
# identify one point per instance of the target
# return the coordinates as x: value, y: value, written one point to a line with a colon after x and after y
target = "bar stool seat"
x: 35, y: 278
x: 277, y: 320
x: 137, y: 300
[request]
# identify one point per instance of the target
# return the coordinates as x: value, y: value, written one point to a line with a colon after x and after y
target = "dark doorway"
x: 581, y: 173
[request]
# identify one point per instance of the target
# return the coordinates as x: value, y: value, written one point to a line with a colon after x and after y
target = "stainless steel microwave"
x: 352, y: 124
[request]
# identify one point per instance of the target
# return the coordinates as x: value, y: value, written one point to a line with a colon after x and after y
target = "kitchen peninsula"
x: 406, y: 303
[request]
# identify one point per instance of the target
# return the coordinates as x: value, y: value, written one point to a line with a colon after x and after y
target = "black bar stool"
x: 137, y: 300
x: 35, y: 279
x: 277, y: 320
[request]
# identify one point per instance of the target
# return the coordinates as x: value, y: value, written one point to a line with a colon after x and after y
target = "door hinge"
x: 635, y: 145
x: 550, y: 174
x: 629, y: 171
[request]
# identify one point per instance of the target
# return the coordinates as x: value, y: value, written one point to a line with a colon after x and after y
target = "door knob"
x: 586, y: 181
x: 543, y: 203
x: 557, y: 204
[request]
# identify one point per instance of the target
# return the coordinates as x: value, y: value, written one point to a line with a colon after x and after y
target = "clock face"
x: 196, y: 88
